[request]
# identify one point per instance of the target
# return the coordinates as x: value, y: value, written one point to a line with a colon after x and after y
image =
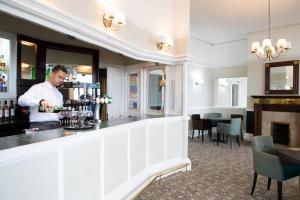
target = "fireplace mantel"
x: 276, y: 103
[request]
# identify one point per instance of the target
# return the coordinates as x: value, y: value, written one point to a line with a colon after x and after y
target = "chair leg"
x: 198, y: 134
x: 210, y: 134
x: 192, y: 134
x: 202, y: 135
x: 299, y: 183
x: 242, y: 138
x: 279, y: 190
x: 254, y: 183
x: 238, y: 140
x: 230, y: 140
x: 269, y: 183
x: 218, y: 138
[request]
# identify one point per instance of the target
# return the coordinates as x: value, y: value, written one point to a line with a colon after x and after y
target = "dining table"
x: 290, y: 154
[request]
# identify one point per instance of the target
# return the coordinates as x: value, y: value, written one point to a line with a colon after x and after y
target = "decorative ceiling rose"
x: 267, y: 51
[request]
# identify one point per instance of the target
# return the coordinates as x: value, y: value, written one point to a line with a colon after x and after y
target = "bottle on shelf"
x: 1, y: 111
x: 5, y: 111
x: 11, y: 109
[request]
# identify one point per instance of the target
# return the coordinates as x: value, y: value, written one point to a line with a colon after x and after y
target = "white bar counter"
x: 112, y: 161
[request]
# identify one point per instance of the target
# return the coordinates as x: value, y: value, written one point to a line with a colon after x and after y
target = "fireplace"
x: 283, y: 110
x: 280, y: 133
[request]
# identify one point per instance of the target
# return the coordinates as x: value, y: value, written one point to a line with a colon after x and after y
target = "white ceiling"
x: 219, y: 21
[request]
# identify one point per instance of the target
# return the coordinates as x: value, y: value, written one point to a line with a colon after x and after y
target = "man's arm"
x: 30, y: 98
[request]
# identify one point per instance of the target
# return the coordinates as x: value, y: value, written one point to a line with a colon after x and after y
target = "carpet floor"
x: 218, y: 173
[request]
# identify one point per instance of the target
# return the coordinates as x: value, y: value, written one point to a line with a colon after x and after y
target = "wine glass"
x: 73, y: 117
x: 81, y: 117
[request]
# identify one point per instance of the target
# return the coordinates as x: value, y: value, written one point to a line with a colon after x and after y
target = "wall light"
x: 113, y: 19
x: 199, y: 82
x: 164, y: 43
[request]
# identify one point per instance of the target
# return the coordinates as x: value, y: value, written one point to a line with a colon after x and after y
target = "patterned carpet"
x: 218, y: 173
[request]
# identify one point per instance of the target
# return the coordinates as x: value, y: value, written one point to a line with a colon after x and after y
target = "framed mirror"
x: 282, y: 77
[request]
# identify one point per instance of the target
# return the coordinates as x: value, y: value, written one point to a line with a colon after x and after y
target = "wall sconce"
x: 223, y: 82
x: 114, y: 20
x: 164, y: 43
x: 199, y: 82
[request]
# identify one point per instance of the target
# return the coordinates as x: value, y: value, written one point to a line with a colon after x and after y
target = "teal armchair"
x: 267, y: 163
x: 229, y: 130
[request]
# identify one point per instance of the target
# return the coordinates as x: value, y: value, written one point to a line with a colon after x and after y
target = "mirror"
x: 28, y: 60
x: 282, y: 77
x: 156, y: 86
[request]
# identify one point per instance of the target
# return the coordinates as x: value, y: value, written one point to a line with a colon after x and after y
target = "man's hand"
x: 46, y: 105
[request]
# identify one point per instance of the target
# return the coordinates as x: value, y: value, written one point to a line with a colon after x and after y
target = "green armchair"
x: 229, y: 130
x: 267, y: 163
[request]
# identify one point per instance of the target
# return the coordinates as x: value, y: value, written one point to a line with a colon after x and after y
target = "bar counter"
x: 114, y: 160
x: 24, y: 139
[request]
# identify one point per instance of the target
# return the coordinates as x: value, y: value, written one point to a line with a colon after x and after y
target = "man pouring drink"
x: 46, y: 96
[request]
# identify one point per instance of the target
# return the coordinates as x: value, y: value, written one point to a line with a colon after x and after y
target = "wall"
x: 256, y: 69
x: 116, y: 90
x: 229, y: 54
x: 84, y: 20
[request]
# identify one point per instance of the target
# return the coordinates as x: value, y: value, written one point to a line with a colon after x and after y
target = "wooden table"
x: 290, y: 154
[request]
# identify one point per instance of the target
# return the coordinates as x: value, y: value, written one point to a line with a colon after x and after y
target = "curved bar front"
x: 107, y: 163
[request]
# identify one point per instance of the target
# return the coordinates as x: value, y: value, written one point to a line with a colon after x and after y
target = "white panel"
x: 82, y: 171
x: 116, y: 163
x: 115, y: 89
x: 156, y: 143
x: 174, y: 133
x: 138, y: 151
x: 30, y: 179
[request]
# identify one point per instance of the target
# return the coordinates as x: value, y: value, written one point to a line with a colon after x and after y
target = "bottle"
x: 54, y: 109
x: 11, y: 109
x: 1, y: 83
x: 4, y: 85
x: 32, y: 73
x: 6, y: 111
x: 2, y: 62
x: 1, y: 111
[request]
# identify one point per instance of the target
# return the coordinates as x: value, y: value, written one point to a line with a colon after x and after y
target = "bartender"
x: 46, y: 95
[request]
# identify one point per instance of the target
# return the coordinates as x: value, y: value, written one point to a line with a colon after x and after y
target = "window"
x: 231, y: 92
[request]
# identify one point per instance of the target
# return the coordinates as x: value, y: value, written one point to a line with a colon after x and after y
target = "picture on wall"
x: 133, y: 91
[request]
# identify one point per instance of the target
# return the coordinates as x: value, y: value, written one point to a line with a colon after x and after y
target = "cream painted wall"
x: 145, y: 19
x: 229, y: 54
x: 256, y: 69
x: 199, y: 96
x: 199, y: 52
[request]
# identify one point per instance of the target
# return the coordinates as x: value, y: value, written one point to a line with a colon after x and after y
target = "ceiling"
x: 219, y: 21
x: 15, y: 25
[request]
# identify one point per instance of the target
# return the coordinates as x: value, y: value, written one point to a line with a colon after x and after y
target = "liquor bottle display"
x: 7, y: 113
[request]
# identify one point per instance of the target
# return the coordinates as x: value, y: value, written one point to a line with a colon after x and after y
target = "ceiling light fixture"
x: 267, y: 51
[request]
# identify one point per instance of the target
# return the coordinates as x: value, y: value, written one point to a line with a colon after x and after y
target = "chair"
x: 267, y: 163
x: 239, y: 116
x: 214, y: 116
x: 196, y: 124
x: 230, y: 130
x: 201, y: 125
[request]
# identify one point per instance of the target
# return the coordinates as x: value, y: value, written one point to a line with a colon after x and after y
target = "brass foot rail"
x: 160, y: 174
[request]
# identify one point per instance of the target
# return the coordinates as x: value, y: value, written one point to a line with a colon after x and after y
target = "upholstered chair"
x: 201, y: 125
x: 242, y: 117
x: 230, y: 130
x: 267, y: 163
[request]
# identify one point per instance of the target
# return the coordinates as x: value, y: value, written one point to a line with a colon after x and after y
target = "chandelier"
x: 267, y: 51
